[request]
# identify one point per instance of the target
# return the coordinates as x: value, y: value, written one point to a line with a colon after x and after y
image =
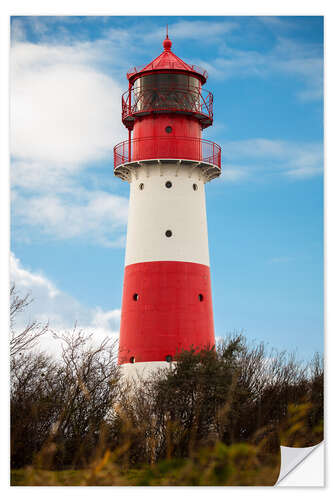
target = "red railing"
x: 193, y: 67
x: 150, y: 148
x: 168, y: 99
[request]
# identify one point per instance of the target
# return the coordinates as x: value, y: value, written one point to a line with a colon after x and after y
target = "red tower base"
x: 167, y: 308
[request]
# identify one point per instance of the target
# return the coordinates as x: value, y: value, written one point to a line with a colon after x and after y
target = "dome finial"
x: 167, y: 44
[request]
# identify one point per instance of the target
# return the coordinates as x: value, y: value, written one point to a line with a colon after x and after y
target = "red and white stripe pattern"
x: 167, y: 303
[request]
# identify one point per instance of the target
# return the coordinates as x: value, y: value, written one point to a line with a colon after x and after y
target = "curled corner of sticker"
x: 292, y: 457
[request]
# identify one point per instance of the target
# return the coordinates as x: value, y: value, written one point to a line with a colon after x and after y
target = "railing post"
x: 129, y: 145
x: 129, y: 130
x: 129, y: 96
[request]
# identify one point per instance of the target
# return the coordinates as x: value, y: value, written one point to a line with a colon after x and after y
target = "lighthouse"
x: 167, y: 298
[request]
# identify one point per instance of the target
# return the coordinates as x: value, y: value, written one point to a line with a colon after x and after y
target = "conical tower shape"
x: 167, y: 301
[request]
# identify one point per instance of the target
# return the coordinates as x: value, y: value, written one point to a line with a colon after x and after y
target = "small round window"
x: 168, y: 129
x: 168, y: 233
x: 195, y: 187
x: 141, y: 186
x: 200, y: 296
x: 168, y: 358
x: 135, y: 296
x: 168, y: 184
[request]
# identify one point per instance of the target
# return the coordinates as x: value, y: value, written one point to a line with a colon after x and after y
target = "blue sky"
x: 265, y: 213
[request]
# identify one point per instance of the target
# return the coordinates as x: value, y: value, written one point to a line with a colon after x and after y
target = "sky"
x: 265, y: 213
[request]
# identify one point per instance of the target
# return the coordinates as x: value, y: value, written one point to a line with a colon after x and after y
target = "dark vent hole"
x: 200, y: 297
x: 168, y: 358
x: 168, y: 233
x: 132, y: 359
x: 168, y: 184
x: 135, y: 296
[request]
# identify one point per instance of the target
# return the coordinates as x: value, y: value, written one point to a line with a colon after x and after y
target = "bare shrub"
x: 89, y: 387
x: 58, y: 408
x: 215, y: 409
x: 27, y: 338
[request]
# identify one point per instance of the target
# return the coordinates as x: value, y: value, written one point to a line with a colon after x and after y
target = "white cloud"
x: 103, y: 319
x: 235, y: 173
x: 291, y: 159
x: 278, y: 24
x: 95, y: 215
x: 205, y: 31
x: 61, y: 310
x: 62, y: 109
x: 280, y: 260
x: 257, y: 147
x: 36, y: 176
x: 303, y: 61
x: 303, y: 172
x: 26, y: 279
x: 65, y: 114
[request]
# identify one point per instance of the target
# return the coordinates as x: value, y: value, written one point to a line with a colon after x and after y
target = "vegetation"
x: 216, y: 417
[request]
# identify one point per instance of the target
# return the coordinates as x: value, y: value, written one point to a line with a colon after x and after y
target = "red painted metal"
x: 168, y: 315
x: 137, y: 71
x: 192, y: 100
x: 167, y: 61
x: 186, y: 148
x: 156, y: 126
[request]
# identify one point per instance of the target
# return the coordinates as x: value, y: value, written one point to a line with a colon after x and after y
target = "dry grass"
x: 239, y: 464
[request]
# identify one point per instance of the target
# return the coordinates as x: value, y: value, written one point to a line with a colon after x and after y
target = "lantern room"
x: 165, y: 110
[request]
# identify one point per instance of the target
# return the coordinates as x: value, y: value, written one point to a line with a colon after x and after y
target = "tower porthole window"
x: 135, y: 296
x: 168, y: 358
x: 141, y: 186
x: 168, y: 184
x: 132, y: 359
x: 168, y: 233
x: 201, y: 297
x: 168, y: 129
x: 195, y: 187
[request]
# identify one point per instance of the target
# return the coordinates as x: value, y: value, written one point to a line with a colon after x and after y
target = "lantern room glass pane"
x: 167, y: 91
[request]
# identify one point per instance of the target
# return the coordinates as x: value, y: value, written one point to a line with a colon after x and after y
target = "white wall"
x: 141, y: 371
x: 156, y: 209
